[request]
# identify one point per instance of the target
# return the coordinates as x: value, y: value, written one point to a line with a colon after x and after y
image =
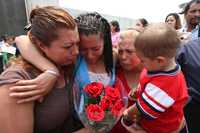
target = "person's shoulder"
x: 163, y: 80
x: 13, y: 68
x: 13, y: 74
x: 193, y: 42
x: 193, y: 45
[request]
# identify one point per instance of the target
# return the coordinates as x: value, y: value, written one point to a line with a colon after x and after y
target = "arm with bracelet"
x: 35, y: 89
x: 28, y: 51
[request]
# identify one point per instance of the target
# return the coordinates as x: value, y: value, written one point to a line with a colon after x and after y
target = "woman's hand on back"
x: 35, y: 89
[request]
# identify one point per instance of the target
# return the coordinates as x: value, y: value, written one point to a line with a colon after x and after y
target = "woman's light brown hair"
x: 45, y: 22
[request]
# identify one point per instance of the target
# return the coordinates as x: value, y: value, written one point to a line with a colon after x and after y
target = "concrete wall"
x: 31, y: 4
x: 12, y: 17
x: 14, y: 14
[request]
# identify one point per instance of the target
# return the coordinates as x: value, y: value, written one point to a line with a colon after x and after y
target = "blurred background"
x: 15, y: 13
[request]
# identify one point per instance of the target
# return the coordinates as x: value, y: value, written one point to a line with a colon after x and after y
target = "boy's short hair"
x: 158, y: 40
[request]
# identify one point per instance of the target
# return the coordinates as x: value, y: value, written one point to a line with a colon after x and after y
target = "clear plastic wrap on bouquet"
x: 99, y: 107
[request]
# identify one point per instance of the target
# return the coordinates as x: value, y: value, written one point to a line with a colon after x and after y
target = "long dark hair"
x: 94, y: 23
x: 116, y: 25
x: 144, y: 22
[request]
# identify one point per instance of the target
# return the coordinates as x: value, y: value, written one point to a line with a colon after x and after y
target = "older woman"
x: 129, y: 67
x: 54, y: 114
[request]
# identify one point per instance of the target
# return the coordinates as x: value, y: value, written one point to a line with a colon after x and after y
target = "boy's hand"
x: 131, y: 123
x: 125, y: 113
x: 126, y: 120
x: 132, y: 95
x: 133, y: 128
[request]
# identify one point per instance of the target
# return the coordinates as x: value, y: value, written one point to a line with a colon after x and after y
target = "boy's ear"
x: 161, y: 60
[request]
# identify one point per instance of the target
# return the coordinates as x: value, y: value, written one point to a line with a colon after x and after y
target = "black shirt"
x: 188, y: 57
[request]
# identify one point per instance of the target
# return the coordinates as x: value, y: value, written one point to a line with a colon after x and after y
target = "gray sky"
x: 152, y: 10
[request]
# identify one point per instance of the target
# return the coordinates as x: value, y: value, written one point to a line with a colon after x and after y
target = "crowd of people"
x: 157, y: 64
x: 8, y: 49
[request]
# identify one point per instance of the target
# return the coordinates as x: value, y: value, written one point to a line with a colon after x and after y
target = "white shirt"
x: 99, y: 77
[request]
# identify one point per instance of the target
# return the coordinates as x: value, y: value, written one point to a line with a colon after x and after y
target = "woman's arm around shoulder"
x: 32, y: 55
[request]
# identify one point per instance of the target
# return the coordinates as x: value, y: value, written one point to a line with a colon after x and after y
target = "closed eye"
x: 130, y: 51
x: 95, y: 49
x: 69, y: 45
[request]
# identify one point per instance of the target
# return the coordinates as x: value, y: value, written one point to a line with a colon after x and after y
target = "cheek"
x: 62, y: 57
x: 119, y: 57
x: 64, y: 54
x: 98, y: 53
x: 67, y: 59
x: 135, y: 61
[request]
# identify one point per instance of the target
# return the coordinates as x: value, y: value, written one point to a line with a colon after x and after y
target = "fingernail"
x: 11, y: 94
x: 18, y: 102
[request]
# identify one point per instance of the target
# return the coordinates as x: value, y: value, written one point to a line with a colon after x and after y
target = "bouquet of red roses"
x: 99, y: 107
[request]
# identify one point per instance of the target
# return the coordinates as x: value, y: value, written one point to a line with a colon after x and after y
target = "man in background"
x: 192, y: 16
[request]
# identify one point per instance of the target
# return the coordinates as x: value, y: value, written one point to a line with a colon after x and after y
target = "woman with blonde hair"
x: 129, y: 67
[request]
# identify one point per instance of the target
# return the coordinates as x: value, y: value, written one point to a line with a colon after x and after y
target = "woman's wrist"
x: 52, y: 72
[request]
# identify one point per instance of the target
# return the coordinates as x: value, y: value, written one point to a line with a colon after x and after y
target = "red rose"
x: 95, y: 112
x: 105, y: 103
x: 112, y: 93
x: 116, y: 109
x: 94, y: 89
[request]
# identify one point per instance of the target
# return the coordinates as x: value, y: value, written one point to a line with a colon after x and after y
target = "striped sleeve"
x: 154, y: 101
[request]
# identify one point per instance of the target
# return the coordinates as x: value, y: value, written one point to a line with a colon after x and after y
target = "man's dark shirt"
x: 188, y: 57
